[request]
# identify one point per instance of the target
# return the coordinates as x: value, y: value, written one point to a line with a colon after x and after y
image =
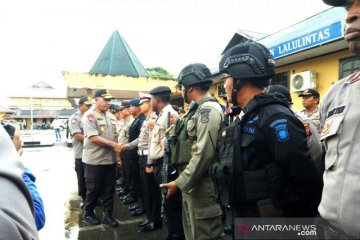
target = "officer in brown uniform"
x: 99, y: 156
x: 160, y: 102
x: 123, y: 138
x: 77, y: 133
x: 311, y: 100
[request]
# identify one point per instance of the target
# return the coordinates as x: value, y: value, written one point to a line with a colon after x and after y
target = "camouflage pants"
x: 201, y: 218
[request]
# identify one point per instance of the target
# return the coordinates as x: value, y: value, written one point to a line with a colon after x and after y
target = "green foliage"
x: 158, y: 72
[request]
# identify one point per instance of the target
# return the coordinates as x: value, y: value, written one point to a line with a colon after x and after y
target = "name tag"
x: 334, y: 119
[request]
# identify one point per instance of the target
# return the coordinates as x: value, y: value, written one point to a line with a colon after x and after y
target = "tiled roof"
x: 117, y: 58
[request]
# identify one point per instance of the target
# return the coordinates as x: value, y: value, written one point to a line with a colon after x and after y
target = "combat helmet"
x: 193, y: 74
x: 248, y: 60
x: 335, y: 3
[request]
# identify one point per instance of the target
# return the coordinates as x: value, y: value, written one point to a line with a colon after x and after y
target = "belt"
x: 143, y: 152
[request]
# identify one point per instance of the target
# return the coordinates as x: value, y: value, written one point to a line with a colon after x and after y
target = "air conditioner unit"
x: 303, y: 80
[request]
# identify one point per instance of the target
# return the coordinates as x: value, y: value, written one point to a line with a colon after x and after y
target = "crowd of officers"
x: 266, y: 162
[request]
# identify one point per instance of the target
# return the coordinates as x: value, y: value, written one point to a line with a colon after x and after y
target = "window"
x: 347, y: 66
x: 281, y: 79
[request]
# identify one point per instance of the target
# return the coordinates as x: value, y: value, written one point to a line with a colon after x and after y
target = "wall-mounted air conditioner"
x: 303, y: 80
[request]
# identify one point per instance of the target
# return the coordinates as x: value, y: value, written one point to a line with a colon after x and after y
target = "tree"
x: 159, y: 72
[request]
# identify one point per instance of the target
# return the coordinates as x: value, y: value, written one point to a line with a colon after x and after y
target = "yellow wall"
x: 98, y: 81
x: 42, y: 103
x: 326, y: 67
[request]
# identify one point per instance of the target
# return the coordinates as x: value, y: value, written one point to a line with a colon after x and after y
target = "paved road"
x: 56, y: 182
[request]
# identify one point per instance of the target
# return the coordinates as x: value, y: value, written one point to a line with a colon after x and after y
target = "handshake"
x: 119, y: 148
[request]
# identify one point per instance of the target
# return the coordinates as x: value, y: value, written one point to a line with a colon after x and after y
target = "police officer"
x: 197, y: 134
x: 77, y: 133
x: 141, y: 144
x: 150, y: 188
x: 313, y: 138
x: 273, y: 174
x: 160, y: 102
x: 311, y: 100
x: 135, y: 189
x: 116, y: 110
x: 123, y: 138
x: 340, y: 121
x: 99, y: 156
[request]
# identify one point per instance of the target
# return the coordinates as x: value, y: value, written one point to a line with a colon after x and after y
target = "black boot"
x: 109, y: 219
x: 90, y: 218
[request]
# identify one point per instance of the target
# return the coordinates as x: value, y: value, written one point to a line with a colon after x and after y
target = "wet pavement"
x: 56, y: 182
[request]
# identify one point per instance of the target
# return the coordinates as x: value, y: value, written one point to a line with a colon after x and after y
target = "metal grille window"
x: 347, y: 66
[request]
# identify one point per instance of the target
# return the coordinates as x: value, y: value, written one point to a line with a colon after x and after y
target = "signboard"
x: 309, y: 40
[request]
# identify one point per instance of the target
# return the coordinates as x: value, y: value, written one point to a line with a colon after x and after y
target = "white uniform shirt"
x: 156, y: 150
x: 340, y: 120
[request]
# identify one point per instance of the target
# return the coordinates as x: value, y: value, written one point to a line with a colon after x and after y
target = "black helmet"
x: 282, y: 91
x: 248, y: 60
x: 194, y: 74
x: 335, y: 3
x: 114, y: 108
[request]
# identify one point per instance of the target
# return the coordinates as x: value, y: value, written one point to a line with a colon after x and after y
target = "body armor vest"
x: 180, y: 142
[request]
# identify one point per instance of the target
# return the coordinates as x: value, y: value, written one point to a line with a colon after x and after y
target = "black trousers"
x: 173, y: 206
x: 151, y: 192
x: 100, y: 182
x: 80, y: 173
x: 124, y: 170
x: 134, y: 181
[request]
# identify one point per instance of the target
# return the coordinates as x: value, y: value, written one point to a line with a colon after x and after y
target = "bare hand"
x: 149, y: 169
x: 171, y: 189
x: 119, y: 163
x: 17, y: 141
x: 119, y: 148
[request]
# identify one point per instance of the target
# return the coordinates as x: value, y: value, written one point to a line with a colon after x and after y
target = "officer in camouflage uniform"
x: 77, y: 133
x: 195, y: 136
x: 99, y: 157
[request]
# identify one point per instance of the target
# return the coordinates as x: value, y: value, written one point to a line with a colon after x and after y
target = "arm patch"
x: 204, y: 115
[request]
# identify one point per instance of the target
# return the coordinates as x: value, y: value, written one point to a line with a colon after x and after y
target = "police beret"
x: 103, y: 93
x: 335, y: 3
x: 135, y: 102
x: 162, y: 90
x: 85, y: 100
x: 310, y: 92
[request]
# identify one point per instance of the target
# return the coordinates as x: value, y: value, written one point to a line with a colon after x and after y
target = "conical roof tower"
x: 117, y: 58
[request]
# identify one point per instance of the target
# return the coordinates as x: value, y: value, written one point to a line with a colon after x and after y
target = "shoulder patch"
x: 281, y: 130
x: 204, y: 115
x: 90, y: 117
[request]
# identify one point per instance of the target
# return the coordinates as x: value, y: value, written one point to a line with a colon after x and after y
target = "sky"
x: 42, y: 38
